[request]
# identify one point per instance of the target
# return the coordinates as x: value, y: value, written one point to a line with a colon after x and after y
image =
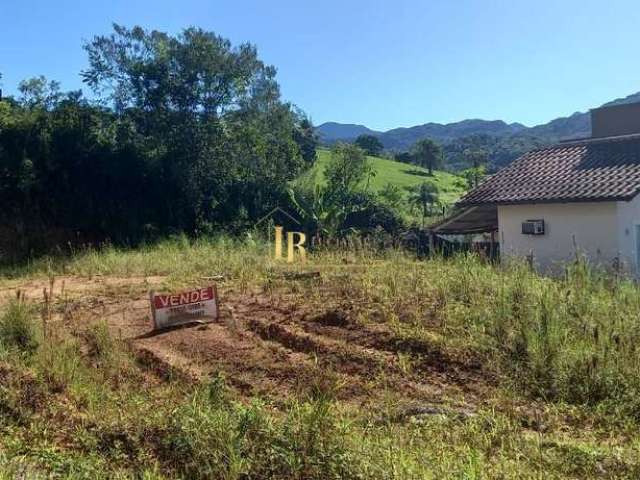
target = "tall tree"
x: 370, y: 144
x: 207, y: 114
x: 306, y: 138
x: 188, y: 134
x: 427, y: 154
x: 39, y: 92
x: 348, y: 167
x: 424, y: 196
x: 477, y: 159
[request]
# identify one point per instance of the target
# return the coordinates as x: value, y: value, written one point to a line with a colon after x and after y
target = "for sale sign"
x: 185, y: 307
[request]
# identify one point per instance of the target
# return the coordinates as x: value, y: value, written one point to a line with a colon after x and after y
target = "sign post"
x: 182, y: 308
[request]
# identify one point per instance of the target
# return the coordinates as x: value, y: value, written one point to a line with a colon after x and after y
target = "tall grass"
x: 81, y: 407
x: 18, y: 328
x: 178, y: 257
x: 211, y: 436
x: 571, y: 339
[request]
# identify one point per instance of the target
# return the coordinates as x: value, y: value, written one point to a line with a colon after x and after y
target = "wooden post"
x: 530, y: 260
x: 492, y: 249
x: 46, y: 312
x: 153, y: 309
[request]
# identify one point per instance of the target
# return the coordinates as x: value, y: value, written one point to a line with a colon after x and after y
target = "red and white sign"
x: 185, y: 307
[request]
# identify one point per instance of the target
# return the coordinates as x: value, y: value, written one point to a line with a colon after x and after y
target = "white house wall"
x: 594, y: 227
x: 628, y: 218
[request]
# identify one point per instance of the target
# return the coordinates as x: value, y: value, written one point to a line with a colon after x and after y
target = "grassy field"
x: 403, y: 175
x: 380, y: 367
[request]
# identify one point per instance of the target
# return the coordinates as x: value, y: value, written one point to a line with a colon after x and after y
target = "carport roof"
x: 474, y: 219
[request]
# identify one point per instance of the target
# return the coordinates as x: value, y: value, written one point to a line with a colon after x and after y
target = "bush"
x: 104, y: 350
x: 18, y: 327
x: 370, y: 213
x: 59, y: 363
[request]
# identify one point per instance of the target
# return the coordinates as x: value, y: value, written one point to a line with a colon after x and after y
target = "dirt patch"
x: 333, y: 318
x: 151, y: 362
x: 271, y: 345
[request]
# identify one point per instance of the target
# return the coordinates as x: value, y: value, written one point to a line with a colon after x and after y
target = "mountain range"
x: 506, y: 140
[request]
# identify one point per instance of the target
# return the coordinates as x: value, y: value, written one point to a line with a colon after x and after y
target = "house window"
x: 533, y: 227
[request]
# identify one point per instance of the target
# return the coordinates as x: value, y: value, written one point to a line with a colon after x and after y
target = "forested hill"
x: 573, y: 126
x: 403, y: 138
x: 331, y: 131
x: 504, y: 141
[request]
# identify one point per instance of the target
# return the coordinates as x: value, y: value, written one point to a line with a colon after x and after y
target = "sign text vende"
x: 185, y: 307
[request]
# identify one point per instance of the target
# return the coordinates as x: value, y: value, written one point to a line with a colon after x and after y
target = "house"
x: 579, y: 196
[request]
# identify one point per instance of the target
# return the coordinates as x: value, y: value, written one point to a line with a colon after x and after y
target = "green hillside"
x: 403, y: 175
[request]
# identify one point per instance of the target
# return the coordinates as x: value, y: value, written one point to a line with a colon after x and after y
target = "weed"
x: 18, y: 327
x: 564, y: 352
x: 59, y: 364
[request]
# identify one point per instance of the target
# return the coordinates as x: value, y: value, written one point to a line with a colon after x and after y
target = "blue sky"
x: 380, y: 63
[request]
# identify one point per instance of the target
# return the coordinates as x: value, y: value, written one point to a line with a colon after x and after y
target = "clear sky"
x: 380, y: 63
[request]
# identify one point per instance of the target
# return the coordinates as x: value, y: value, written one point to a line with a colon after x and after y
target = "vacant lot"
x: 372, y: 366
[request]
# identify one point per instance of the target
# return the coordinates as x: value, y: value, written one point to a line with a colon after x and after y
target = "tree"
x: 424, y: 196
x: 38, y: 92
x: 5, y: 110
x: 427, y: 154
x: 348, y: 167
x: 208, y: 117
x: 184, y: 133
x: 477, y: 159
x: 370, y: 144
x: 473, y: 176
x: 325, y: 207
x: 404, y: 157
x: 306, y: 138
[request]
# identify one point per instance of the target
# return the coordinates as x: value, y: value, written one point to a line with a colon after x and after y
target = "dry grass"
x: 559, y: 357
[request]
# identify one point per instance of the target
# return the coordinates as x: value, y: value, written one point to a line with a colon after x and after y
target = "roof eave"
x: 549, y: 200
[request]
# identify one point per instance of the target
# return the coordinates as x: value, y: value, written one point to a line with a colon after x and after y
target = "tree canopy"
x: 187, y: 133
x: 370, y: 144
x: 477, y: 159
x: 325, y: 207
x: 427, y: 154
x: 424, y: 196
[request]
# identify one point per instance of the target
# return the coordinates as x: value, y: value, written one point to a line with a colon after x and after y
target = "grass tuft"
x: 18, y: 327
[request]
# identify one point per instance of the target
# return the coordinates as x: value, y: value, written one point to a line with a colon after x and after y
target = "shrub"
x: 370, y: 213
x: 104, y: 350
x: 58, y: 363
x: 18, y: 327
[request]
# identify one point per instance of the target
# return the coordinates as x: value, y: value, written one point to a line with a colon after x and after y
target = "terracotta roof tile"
x: 588, y: 170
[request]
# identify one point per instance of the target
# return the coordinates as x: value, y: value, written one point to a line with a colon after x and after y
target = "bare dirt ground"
x: 272, y: 345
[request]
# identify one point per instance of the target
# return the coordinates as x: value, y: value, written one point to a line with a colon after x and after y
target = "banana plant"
x: 319, y: 209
